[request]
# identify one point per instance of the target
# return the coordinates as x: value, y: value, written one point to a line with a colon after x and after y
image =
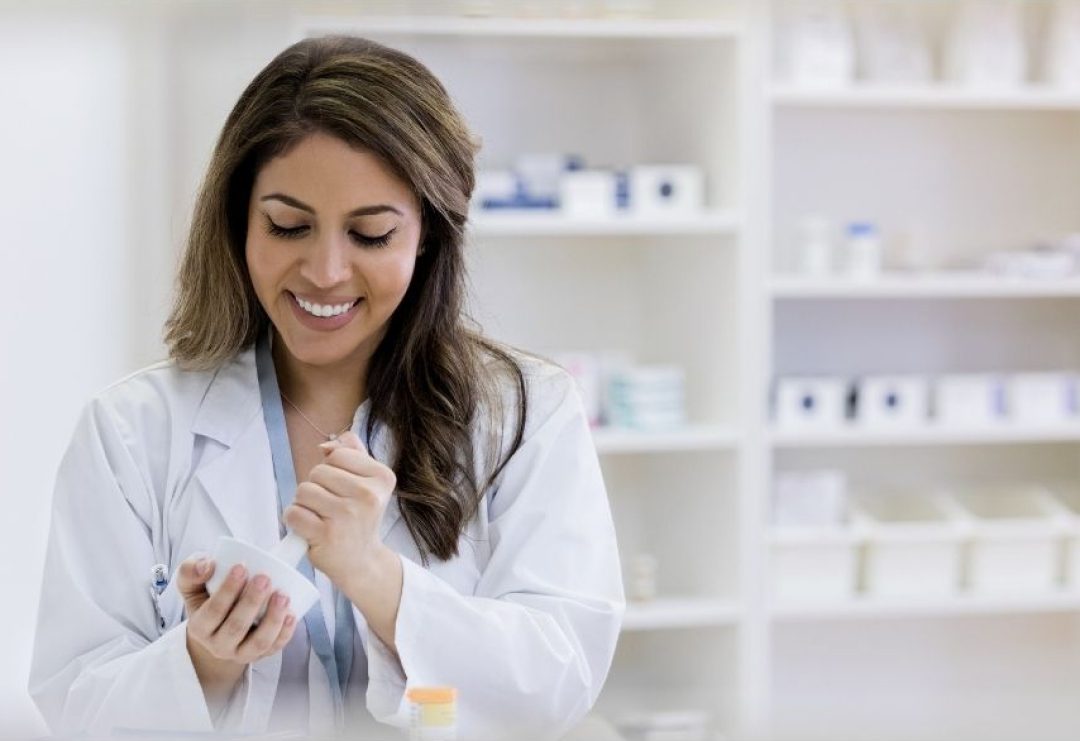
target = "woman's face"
x: 331, y: 245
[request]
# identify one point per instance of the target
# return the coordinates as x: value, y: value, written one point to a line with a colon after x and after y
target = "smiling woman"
x: 324, y: 379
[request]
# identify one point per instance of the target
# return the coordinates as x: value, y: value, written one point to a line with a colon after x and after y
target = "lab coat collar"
x: 231, y: 414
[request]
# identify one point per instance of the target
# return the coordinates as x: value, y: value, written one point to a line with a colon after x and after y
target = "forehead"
x: 330, y: 175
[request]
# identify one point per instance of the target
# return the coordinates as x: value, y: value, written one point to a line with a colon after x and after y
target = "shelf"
x: 610, y: 441
x: 942, y: 96
x: 942, y: 285
x: 959, y: 606
x: 492, y: 27
x: 853, y: 437
x: 687, y: 612
x: 526, y: 224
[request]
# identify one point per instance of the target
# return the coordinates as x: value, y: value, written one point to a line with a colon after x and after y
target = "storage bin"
x: 913, y: 544
x: 1016, y: 542
x: 813, y: 564
x: 811, y: 403
x: 810, y: 499
x: 1067, y: 496
x: 892, y: 402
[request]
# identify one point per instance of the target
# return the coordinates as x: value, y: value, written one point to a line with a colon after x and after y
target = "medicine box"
x: 969, y: 401
x: 813, y: 564
x: 1042, y: 398
x: 811, y: 403
x: 892, y: 402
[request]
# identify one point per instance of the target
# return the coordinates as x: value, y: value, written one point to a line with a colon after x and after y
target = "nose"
x: 327, y: 264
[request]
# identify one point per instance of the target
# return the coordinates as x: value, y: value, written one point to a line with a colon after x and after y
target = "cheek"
x: 392, y: 277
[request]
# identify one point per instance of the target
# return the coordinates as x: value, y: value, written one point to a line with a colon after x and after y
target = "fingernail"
x: 202, y: 566
x: 289, y: 620
x: 279, y: 599
x: 261, y: 582
x: 237, y: 572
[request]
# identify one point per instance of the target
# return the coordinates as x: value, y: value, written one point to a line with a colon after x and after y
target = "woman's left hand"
x: 339, y: 508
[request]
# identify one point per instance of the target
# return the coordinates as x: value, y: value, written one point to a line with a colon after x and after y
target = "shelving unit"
x: 716, y: 295
x: 960, y: 170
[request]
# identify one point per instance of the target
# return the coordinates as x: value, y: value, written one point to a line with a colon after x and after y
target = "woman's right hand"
x: 220, y: 638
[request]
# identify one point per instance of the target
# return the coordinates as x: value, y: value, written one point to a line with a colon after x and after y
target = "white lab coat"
x: 524, y: 621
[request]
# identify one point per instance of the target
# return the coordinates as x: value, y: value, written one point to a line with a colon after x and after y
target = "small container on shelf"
x: 641, y: 586
x: 820, y: 49
x: 1016, y: 539
x: 892, y: 402
x: 668, y: 725
x: 588, y: 194
x: 986, y: 46
x: 815, y: 247
x: 666, y: 190
x: 969, y: 401
x: 913, y: 544
x: 1042, y: 398
x: 811, y: 403
x: 433, y: 713
x: 647, y: 397
x: 863, y: 255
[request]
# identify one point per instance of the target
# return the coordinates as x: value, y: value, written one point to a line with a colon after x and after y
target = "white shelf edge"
x: 940, y: 95
x: 614, y: 441
x: 930, y: 286
x: 675, y: 613
x: 539, y: 224
x: 495, y: 27
x: 858, y: 438
x: 958, y: 606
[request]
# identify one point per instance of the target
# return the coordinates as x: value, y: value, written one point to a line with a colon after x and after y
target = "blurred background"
x: 814, y: 264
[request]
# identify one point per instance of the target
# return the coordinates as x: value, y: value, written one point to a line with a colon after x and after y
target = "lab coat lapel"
x: 239, y: 480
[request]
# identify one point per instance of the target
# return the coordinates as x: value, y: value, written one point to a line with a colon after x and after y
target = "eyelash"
x: 375, y: 242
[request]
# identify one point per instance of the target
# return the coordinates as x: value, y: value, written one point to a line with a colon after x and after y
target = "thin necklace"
x: 314, y: 426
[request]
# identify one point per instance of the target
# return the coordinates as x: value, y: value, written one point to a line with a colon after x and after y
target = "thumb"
x: 192, y: 576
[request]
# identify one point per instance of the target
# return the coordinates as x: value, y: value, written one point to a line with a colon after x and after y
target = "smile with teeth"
x: 320, y: 310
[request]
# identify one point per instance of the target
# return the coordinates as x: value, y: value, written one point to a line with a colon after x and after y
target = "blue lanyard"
x: 337, y: 660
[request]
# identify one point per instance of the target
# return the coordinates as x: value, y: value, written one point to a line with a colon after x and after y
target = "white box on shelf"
x: 666, y: 190
x: 969, y: 401
x: 891, y: 402
x: 913, y: 544
x: 813, y: 564
x: 1042, y: 398
x: 810, y: 498
x: 1016, y: 539
x: 811, y: 403
x: 588, y: 194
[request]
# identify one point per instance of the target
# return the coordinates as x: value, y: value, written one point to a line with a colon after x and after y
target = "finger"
x: 345, y: 440
x: 336, y: 481
x: 209, y: 617
x: 238, y: 623
x: 260, y: 642
x: 355, y: 461
x: 304, y: 523
x: 313, y: 497
x: 192, y: 575
x: 288, y: 627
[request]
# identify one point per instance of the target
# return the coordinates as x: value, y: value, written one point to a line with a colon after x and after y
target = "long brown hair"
x: 432, y: 379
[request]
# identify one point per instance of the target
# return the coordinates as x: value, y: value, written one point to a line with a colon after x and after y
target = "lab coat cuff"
x: 235, y: 714
x: 389, y: 674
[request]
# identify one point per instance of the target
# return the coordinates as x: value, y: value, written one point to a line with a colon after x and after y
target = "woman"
x: 321, y: 378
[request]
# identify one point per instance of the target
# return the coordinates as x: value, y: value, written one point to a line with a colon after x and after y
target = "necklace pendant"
x: 331, y: 438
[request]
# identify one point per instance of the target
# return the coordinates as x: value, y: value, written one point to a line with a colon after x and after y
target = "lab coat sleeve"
x: 101, y: 658
x: 529, y: 651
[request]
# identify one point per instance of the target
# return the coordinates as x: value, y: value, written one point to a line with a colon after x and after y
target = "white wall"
x: 64, y: 329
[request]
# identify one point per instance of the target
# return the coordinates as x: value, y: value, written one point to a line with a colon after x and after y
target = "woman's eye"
x: 280, y: 231
x: 380, y: 241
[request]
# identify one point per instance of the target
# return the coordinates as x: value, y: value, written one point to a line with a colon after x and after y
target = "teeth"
x: 320, y: 310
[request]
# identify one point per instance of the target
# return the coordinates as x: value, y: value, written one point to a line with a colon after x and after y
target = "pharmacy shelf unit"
x: 950, y: 175
x: 620, y: 93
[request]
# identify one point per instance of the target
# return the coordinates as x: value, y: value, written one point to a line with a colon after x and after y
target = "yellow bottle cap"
x: 423, y: 695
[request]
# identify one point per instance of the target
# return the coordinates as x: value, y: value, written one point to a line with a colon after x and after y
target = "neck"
x: 330, y: 393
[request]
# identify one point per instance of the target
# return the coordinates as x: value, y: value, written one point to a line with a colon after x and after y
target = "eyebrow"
x: 362, y: 211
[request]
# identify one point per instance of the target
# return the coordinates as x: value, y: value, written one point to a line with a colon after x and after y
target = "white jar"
x: 864, y: 252
x: 815, y: 247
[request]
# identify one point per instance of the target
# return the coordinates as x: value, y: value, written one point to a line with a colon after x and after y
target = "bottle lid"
x: 424, y: 695
x: 861, y: 229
